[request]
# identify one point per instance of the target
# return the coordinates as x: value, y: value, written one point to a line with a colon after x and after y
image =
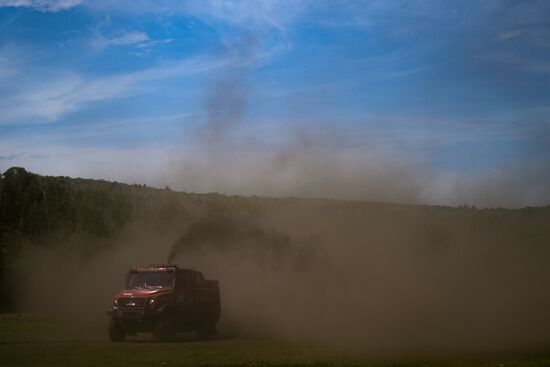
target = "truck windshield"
x: 150, y: 279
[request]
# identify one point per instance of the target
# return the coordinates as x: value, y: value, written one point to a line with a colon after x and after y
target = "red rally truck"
x: 165, y: 299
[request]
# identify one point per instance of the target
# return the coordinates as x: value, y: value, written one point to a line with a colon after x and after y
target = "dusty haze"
x: 369, y: 277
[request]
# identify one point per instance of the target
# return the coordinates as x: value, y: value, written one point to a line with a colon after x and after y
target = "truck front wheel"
x: 116, y: 332
x: 164, y: 330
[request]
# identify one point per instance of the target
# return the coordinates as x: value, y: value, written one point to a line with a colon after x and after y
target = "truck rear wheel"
x: 164, y: 330
x: 205, y: 332
x: 117, y: 333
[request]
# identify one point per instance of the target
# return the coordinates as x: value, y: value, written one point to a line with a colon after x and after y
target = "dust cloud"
x: 302, y: 162
x: 376, y: 279
x: 78, y: 277
x: 363, y: 277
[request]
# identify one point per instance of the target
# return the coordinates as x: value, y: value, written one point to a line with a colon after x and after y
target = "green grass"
x: 39, y: 340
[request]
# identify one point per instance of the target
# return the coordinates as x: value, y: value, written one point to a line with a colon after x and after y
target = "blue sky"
x: 136, y: 90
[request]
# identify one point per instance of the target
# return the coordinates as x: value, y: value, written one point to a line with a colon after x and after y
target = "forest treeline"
x: 45, y: 211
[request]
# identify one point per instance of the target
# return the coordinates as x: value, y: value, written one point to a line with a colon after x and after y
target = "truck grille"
x: 131, y: 307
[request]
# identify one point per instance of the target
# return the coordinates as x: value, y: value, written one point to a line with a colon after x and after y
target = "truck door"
x: 185, y: 298
x: 201, y: 296
x: 180, y: 298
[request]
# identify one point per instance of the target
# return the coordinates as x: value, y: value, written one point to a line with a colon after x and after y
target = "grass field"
x: 39, y: 340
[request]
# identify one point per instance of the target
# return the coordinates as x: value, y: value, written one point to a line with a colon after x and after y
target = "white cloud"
x: 41, y: 5
x: 140, y: 41
x: 7, y: 66
x: 151, y: 43
x: 506, y: 35
x: 127, y: 38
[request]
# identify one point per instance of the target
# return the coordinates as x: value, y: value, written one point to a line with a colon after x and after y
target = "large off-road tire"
x: 205, y: 332
x: 117, y: 333
x: 163, y: 330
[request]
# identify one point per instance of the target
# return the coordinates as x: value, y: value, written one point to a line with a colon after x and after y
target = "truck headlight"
x: 152, y: 302
x: 115, y: 303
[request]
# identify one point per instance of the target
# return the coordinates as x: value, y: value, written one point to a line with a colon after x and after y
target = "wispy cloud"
x: 248, y: 14
x: 67, y: 92
x: 517, y: 36
x: 126, y: 38
x: 48, y: 94
x: 41, y: 5
x: 145, y: 48
x: 431, y: 130
x: 7, y: 66
x: 520, y: 61
x: 268, y: 21
x: 13, y: 60
x: 139, y: 41
x: 510, y: 34
x: 7, y: 159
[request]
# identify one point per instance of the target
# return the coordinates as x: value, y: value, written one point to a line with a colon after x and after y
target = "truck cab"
x: 164, y: 300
